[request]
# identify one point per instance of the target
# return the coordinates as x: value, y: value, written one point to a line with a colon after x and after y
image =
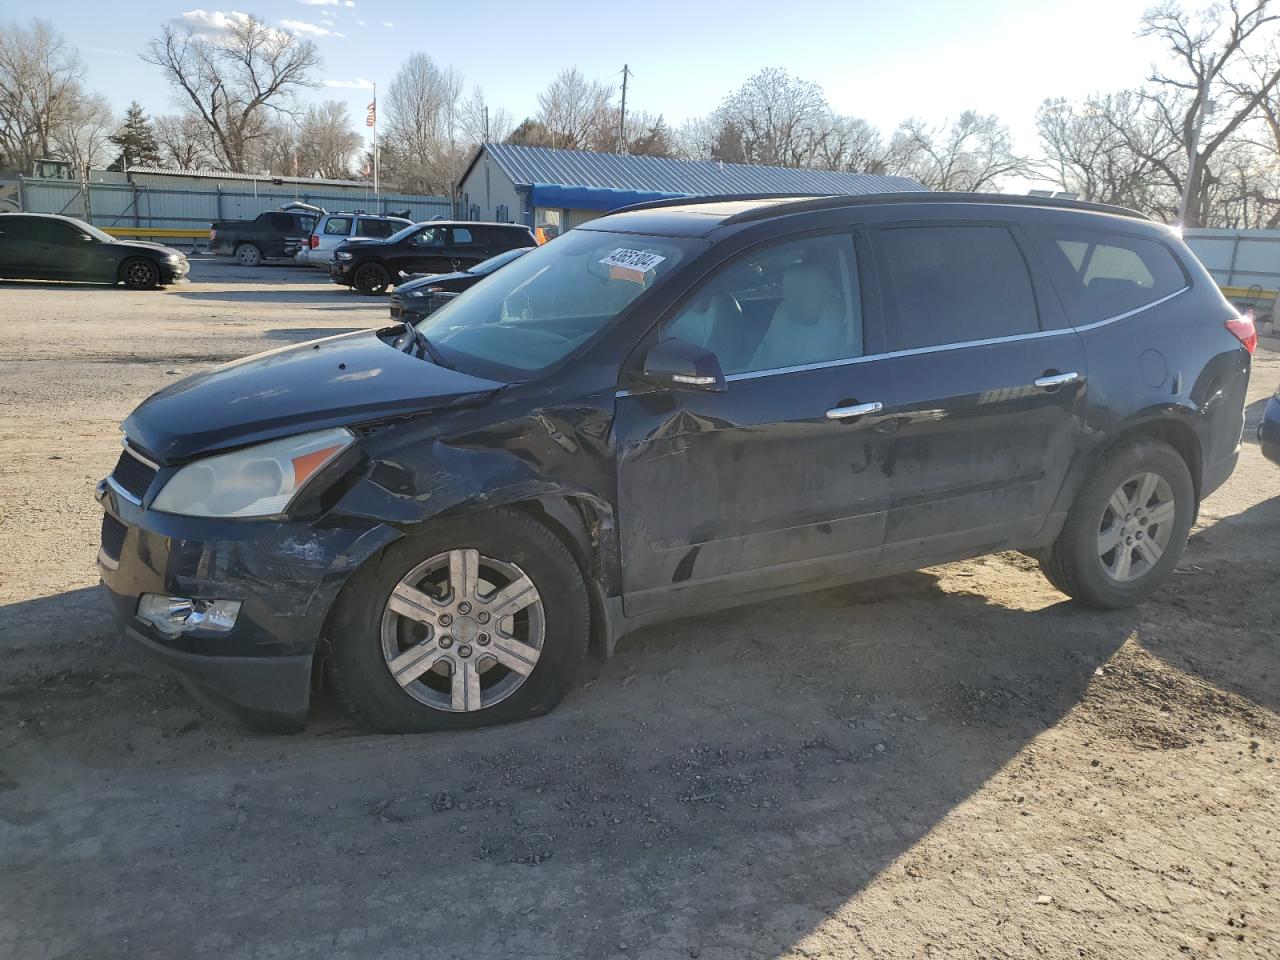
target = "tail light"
x: 1242, y: 329
x: 313, y: 242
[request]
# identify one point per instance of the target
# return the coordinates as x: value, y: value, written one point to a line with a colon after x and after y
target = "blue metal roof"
x: 527, y: 166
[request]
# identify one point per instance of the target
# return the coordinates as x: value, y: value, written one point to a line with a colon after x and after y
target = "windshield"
x: 401, y: 234
x: 530, y: 315
x: 485, y: 267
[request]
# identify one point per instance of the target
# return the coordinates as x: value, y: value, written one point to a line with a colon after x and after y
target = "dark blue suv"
x: 678, y: 408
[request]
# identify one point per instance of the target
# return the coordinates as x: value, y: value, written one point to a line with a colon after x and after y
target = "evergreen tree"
x: 136, y: 141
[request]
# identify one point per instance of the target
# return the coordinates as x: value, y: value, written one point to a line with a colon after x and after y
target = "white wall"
x: 489, y: 188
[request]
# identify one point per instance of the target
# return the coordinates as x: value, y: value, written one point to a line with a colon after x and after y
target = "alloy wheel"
x: 139, y: 273
x: 1136, y: 526
x: 462, y: 631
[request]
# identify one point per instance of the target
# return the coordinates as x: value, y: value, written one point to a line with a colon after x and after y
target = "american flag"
x: 371, y: 117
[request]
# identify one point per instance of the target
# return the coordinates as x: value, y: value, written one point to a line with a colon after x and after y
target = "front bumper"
x: 1269, y: 431
x: 286, y: 575
x: 174, y: 272
x: 342, y: 272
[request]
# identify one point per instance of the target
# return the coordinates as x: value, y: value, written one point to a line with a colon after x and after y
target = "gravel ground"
x: 951, y: 763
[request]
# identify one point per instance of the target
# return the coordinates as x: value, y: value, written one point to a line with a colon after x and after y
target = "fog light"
x: 175, y: 615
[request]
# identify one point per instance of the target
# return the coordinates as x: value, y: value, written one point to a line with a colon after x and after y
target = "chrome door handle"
x: 857, y: 410
x: 1056, y: 380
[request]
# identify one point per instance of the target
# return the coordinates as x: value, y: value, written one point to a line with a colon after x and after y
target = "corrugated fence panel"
x: 127, y: 205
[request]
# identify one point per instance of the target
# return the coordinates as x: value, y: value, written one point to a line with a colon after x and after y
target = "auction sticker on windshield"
x: 631, y: 265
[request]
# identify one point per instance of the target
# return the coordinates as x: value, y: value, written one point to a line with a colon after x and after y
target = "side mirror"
x: 680, y: 365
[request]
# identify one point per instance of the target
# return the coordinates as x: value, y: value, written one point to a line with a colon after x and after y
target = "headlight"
x: 343, y: 255
x: 174, y: 257
x: 259, y: 481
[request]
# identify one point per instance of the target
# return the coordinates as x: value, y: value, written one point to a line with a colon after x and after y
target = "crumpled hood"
x: 336, y: 381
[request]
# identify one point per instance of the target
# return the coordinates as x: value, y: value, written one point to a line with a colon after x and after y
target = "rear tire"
x: 1127, y: 528
x: 420, y: 643
x: 248, y: 255
x: 139, y: 273
x: 372, y: 279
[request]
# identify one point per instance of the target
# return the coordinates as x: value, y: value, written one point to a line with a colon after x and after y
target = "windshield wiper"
x: 430, y: 351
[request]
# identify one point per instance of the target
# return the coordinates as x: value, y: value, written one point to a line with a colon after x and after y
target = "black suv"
x: 372, y: 266
x: 673, y: 409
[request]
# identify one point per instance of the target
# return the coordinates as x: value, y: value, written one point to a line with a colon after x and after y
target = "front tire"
x: 139, y: 273
x: 481, y: 620
x: 248, y: 255
x: 1127, y: 529
x: 372, y: 279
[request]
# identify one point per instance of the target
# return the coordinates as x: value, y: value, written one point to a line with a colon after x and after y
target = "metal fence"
x: 109, y: 205
x: 1238, y: 258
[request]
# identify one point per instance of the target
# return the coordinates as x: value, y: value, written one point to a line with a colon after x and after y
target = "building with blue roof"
x: 544, y: 187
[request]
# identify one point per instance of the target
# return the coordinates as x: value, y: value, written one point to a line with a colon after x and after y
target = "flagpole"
x: 376, y: 196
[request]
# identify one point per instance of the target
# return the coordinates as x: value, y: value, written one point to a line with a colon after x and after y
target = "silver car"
x: 332, y: 228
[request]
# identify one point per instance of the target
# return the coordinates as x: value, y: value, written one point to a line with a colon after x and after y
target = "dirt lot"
x: 951, y: 763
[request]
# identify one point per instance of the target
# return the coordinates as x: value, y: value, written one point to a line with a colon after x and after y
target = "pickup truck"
x: 274, y: 235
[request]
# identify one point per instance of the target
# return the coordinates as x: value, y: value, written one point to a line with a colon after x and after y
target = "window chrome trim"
x: 122, y: 492
x: 939, y: 348
x: 124, y: 442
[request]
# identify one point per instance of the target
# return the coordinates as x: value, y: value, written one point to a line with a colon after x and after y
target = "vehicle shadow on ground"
x: 768, y: 762
x: 1205, y: 621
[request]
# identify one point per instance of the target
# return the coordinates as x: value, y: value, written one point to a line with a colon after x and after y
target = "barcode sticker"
x: 636, y: 262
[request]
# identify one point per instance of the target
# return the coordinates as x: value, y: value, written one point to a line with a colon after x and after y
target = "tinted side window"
x: 507, y: 239
x: 1102, y: 275
x: 778, y: 305
x: 375, y: 228
x: 954, y: 284
x: 429, y: 237
x: 17, y: 228
x: 461, y: 237
x: 337, y: 226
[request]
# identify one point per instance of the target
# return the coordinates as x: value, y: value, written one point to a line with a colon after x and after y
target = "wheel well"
x: 1177, y: 435
x: 130, y: 259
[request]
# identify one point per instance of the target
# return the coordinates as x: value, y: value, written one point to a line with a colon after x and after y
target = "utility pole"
x: 622, y: 114
x: 1207, y: 107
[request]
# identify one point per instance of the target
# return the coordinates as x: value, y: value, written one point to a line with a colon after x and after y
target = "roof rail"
x: 787, y: 203
x: 874, y: 199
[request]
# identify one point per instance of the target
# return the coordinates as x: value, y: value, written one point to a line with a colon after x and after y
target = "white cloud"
x: 303, y: 28
x: 210, y: 23
x: 359, y: 83
x: 359, y: 22
x: 386, y: 23
x: 320, y: 3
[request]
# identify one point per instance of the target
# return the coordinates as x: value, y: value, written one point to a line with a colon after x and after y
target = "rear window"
x: 17, y: 228
x: 337, y: 226
x: 956, y: 284
x: 1103, y: 275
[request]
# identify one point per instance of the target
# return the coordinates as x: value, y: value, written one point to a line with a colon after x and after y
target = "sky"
x: 879, y: 61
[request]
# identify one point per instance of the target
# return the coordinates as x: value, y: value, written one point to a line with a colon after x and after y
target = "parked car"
x: 418, y: 296
x: 332, y: 228
x: 438, y: 246
x: 667, y: 411
x: 46, y: 246
x: 274, y: 235
x: 1269, y: 429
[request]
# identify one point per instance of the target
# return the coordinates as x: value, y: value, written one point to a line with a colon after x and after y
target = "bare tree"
x: 1224, y: 67
x: 184, y: 141
x: 974, y: 153
x: 40, y: 87
x: 1102, y: 149
x: 578, y: 114
x: 420, y: 142
x: 236, y: 82
x: 480, y: 124
x: 774, y: 119
x: 83, y: 134
x: 327, y: 141
x: 851, y: 144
